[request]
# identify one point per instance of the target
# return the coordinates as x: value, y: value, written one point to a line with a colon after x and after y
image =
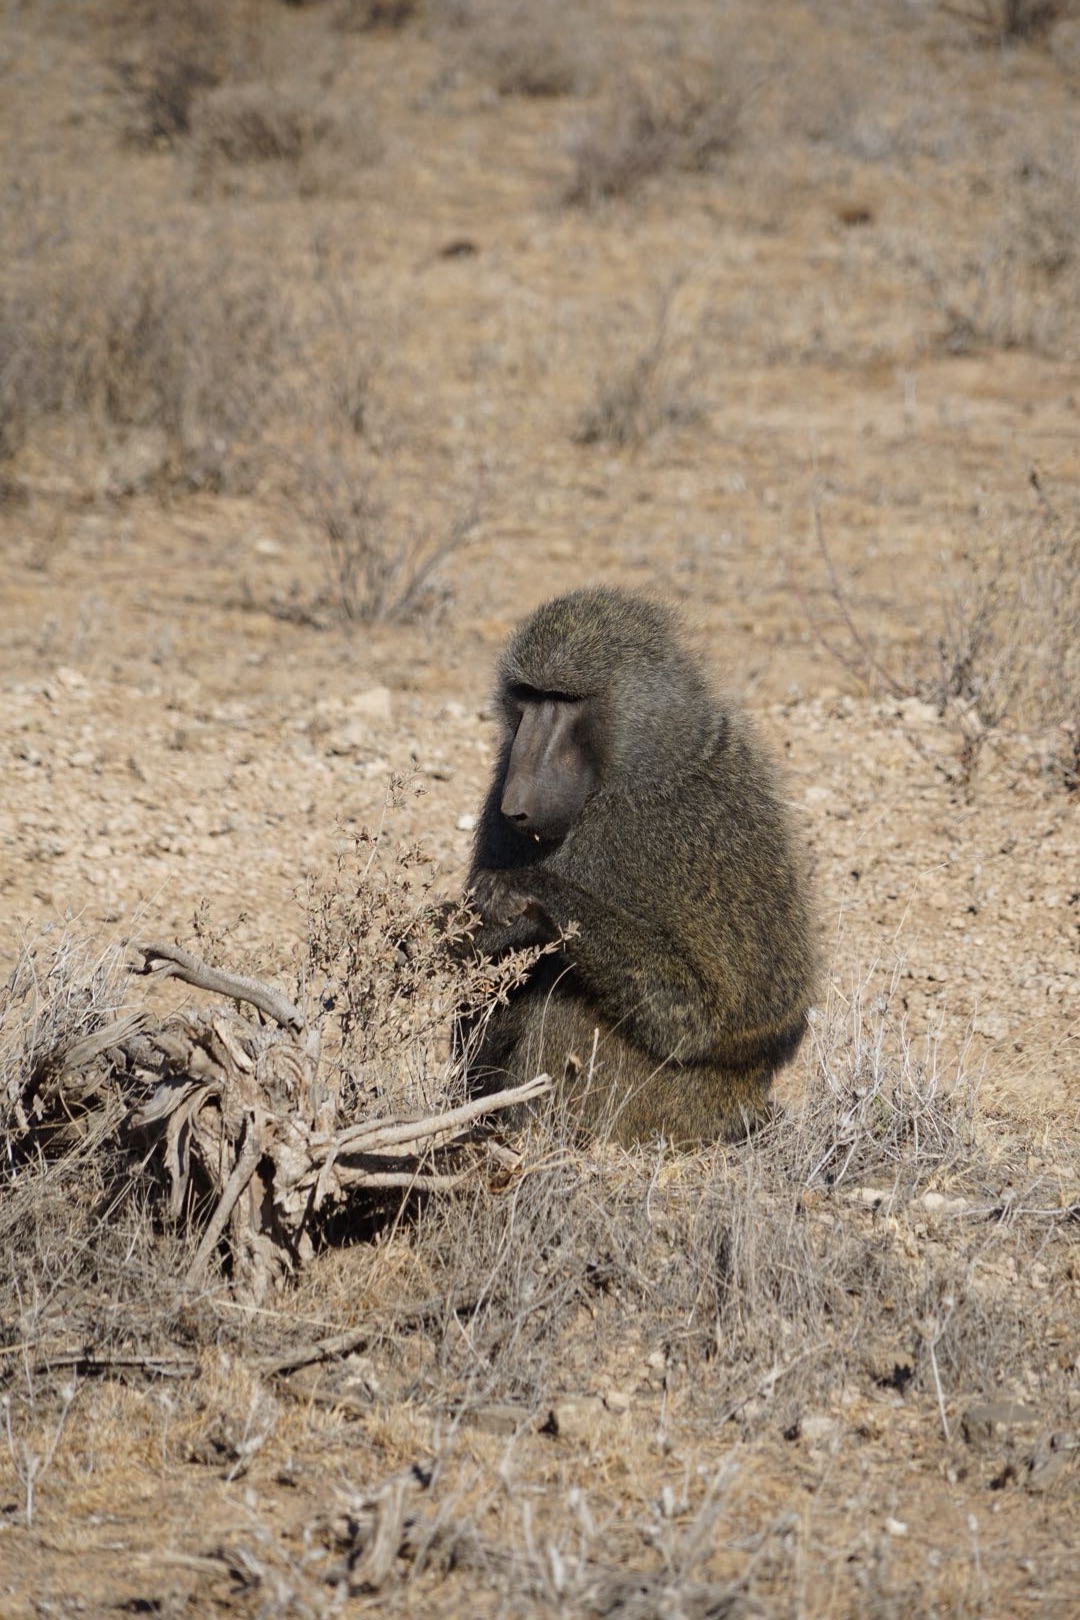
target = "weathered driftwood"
x: 244, y: 1129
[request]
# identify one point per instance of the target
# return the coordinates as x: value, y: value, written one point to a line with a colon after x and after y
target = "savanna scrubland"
x: 333, y: 338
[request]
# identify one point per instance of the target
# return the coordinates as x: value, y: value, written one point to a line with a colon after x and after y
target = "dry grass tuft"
x: 1011, y: 642
x: 1021, y: 289
x: 180, y: 52
x: 643, y: 392
x: 688, y: 123
x: 381, y: 566
x: 1008, y: 22
x: 183, y: 351
x: 376, y: 16
x: 235, y: 126
x: 1005, y: 659
x: 531, y: 49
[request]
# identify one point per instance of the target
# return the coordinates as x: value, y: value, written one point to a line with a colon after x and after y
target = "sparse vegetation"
x: 249, y: 379
x: 1007, y: 22
x: 259, y: 124
x: 181, y: 52
x: 644, y: 129
x: 371, y: 16
x: 850, y: 1254
x: 181, y: 350
x: 1005, y: 658
x: 531, y: 50
x: 641, y: 392
x: 1022, y: 289
x: 381, y: 565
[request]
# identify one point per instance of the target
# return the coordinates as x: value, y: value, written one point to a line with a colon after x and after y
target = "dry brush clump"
x: 765, y: 1277
x: 382, y: 564
x: 173, y: 54
x: 1020, y: 288
x: 319, y: 143
x: 182, y: 350
x: 655, y: 386
x: 1010, y: 646
x: 529, y: 49
x: 687, y: 122
x: 1008, y: 22
x: 1004, y: 662
x: 250, y: 1127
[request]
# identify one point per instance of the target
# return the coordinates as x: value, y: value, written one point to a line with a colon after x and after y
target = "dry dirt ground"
x: 291, y: 296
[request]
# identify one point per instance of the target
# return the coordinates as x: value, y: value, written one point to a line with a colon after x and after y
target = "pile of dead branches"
x: 228, y: 1108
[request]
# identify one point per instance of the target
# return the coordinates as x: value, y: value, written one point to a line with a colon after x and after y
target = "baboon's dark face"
x: 553, y: 766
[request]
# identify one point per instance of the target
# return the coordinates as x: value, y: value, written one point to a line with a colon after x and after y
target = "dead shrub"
x: 376, y: 16
x: 1010, y: 646
x: 254, y: 1130
x: 686, y: 123
x: 1008, y: 22
x: 1021, y: 290
x: 251, y: 123
x: 262, y: 126
x: 530, y: 49
x: 185, y: 50
x: 382, y: 566
x: 186, y: 350
x: 382, y: 958
x: 1005, y: 657
x: 16, y: 382
x: 641, y: 393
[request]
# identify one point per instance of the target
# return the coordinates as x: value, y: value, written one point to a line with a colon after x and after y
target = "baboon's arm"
x: 639, y: 979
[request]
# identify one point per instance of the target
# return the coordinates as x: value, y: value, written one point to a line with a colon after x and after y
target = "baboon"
x: 634, y: 818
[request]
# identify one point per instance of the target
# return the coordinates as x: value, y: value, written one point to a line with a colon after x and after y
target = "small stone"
x: 818, y: 1429
x: 991, y: 1420
x: 872, y: 1197
x: 896, y: 1527
x: 617, y: 1400
x: 577, y: 1417
x: 498, y: 1417
x: 937, y: 1203
x: 72, y: 680
x: 374, y: 704
x: 918, y: 713
x: 657, y: 1360
x: 351, y: 738
x: 466, y: 823
x: 1049, y: 1462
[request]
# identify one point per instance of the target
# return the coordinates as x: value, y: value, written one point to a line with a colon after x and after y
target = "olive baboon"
x: 629, y: 802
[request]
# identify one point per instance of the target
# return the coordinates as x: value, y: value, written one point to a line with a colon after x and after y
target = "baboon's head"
x: 596, y: 689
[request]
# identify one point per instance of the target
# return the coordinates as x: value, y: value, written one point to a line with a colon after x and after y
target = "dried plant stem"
x: 169, y: 961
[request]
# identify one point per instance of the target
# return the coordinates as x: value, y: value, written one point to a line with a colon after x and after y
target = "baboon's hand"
x: 500, y: 901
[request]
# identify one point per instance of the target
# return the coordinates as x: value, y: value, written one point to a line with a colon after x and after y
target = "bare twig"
x: 375, y: 1135
x: 242, y: 1172
x: 169, y: 961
